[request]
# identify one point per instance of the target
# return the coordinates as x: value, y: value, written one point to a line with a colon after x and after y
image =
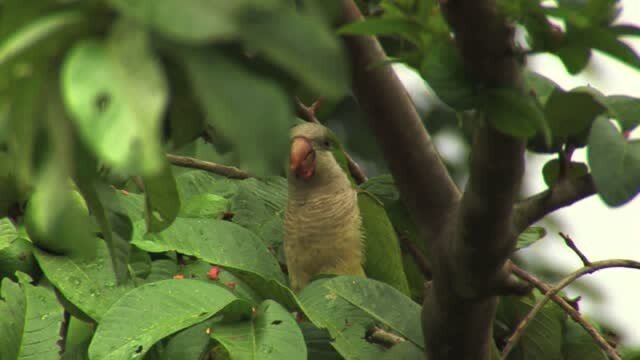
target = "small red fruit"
x: 213, y: 273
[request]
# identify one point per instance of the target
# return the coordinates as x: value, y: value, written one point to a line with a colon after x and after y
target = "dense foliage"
x: 107, y: 251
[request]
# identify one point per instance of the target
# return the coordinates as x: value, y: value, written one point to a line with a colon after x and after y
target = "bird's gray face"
x: 310, y: 155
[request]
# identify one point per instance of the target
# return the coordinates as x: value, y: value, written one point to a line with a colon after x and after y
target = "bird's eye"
x: 326, y: 143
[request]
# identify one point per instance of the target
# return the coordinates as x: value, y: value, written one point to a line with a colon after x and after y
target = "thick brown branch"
x: 424, y: 183
x: 562, y: 194
x: 570, y: 310
x: 308, y: 113
x: 227, y: 171
x: 595, y: 266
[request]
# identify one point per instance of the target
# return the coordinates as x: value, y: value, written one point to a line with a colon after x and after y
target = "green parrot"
x: 331, y: 226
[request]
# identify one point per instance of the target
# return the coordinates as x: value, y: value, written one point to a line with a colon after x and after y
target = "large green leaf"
x: 205, y: 271
x: 193, y: 21
x: 350, y: 306
x: 153, y: 311
x: 8, y: 233
x: 382, y: 26
x: 259, y: 131
x: 256, y: 204
x: 443, y: 70
x: 514, y: 113
x: 162, y: 202
x: 311, y: 52
x: 543, y: 337
x: 383, y: 258
x: 579, y: 345
x: 89, y: 284
x: 569, y: 113
x: 118, y: 110
x: 614, y: 162
x: 30, y: 320
x: 625, y: 109
x: 35, y: 32
x: 271, y: 334
x: 209, y: 206
x: 215, y: 241
x: 190, y: 343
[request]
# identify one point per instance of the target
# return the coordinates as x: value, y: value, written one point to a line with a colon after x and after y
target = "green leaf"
x: 607, y: 42
x: 153, y: 311
x: 541, y: 85
x: 530, y: 236
x: 543, y: 337
x: 404, y: 351
x: 579, y: 345
x: 514, y: 113
x: 30, y: 320
x: 115, y: 227
x: 350, y: 306
x: 569, y: 113
x: 200, y: 270
x: 223, y: 88
x: 18, y: 256
x: 311, y: 53
x: 210, y: 206
x: 8, y: 233
x: 574, y: 58
x: 118, y: 110
x: 271, y: 334
x: 318, y: 342
x: 383, y: 257
x: 162, y: 201
x: 89, y: 284
x: 192, y: 21
x: 190, y: 343
x: 382, y: 26
x: 614, y: 162
x: 551, y: 170
x: 443, y: 70
x: 163, y: 269
x: 36, y: 32
x: 215, y: 241
x: 57, y: 218
x: 625, y: 109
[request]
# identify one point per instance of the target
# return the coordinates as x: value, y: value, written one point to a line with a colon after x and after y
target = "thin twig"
x: 224, y: 170
x: 595, y: 266
x: 575, y: 249
x: 308, y: 113
x: 379, y: 336
x: 417, y: 255
x: 64, y: 331
x: 570, y: 309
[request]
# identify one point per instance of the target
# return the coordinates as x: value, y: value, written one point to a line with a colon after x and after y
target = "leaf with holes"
x: 271, y: 334
x: 614, y: 162
x: 30, y: 320
x: 350, y: 306
x: 215, y: 241
x: 89, y: 284
x: 118, y: 110
x: 153, y: 311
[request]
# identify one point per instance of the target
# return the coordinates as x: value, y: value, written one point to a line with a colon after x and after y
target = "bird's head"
x: 312, y: 157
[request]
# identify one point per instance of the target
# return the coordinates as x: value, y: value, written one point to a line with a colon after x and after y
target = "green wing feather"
x: 383, y: 257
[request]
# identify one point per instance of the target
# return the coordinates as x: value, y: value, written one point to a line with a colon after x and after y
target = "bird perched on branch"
x: 327, y: 217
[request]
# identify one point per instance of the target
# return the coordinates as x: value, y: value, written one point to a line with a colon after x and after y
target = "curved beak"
x: 302, y: 158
